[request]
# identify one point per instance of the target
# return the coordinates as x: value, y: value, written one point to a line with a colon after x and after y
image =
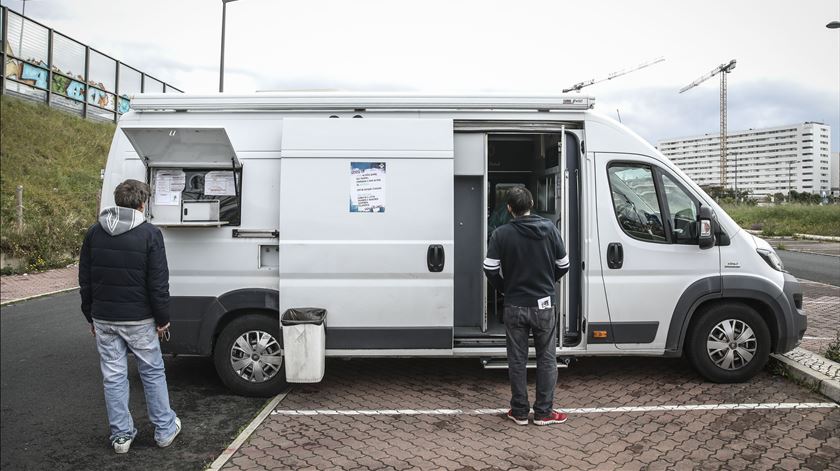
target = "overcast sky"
x: 788, y: 62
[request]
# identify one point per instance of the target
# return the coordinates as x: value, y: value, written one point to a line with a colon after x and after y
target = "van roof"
x: 344, y: 101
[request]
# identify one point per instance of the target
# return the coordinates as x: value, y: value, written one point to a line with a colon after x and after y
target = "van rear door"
x: 366, y: 229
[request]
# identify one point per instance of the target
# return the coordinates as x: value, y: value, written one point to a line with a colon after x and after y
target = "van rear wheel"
x: 730, y: 343
x: 249, y: 356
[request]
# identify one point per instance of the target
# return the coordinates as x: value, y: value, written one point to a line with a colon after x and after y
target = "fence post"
x: 117, y: 91
x: 49, y: 65
x: 87, y: 85
x: 19, y: 203
x: 5, y: 36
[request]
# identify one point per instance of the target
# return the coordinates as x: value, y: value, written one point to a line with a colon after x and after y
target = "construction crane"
x: 576, y: 87
x: 723, y: 70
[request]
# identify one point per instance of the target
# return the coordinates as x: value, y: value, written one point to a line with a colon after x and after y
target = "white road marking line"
x: 234, y: 446
x: 584, y: 410
x: 817, y: 338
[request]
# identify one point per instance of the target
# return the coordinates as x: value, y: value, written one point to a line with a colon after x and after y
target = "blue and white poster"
x: 367, y: 187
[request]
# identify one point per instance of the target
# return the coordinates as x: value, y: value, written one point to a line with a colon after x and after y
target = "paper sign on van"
x: 367, y: 187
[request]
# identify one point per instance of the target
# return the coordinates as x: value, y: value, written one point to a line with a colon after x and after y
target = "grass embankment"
x: 788, y: 219
x: 56, y: 157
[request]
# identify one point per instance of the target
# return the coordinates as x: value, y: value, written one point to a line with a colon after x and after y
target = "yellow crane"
x: 723, y: 70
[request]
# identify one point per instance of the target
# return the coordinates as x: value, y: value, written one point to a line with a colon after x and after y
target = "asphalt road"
x: 822, y: 268
x: 53, y: 410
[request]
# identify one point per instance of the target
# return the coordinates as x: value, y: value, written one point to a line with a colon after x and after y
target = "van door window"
x: 636, y: 202
x: 682, y: 210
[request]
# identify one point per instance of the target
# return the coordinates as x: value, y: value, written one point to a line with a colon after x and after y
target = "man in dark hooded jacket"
x: 124, y: 284
x: 525, y: 258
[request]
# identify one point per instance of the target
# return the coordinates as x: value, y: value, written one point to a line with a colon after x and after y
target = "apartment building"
x: 763, y: 161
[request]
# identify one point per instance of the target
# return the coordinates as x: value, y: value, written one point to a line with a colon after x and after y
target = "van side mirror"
x: 706, y: 227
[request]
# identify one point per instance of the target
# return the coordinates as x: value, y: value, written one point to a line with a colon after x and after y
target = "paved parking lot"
x: 402, y: 414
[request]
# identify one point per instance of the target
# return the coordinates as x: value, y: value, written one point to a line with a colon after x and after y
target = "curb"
x: 821, y: 383
x: 240, y: 439
x: 810, y: 252
x: 34, y: 296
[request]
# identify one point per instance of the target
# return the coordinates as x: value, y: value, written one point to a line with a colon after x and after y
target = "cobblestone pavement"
x: 822, y: 304
x: 432, y: 436
x: 35, y: 284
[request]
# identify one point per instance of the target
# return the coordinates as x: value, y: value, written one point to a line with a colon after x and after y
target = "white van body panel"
x: 295, y: 180
x: 369, y: 270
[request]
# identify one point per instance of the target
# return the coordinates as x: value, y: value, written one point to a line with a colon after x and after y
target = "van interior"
x: 532, y: 161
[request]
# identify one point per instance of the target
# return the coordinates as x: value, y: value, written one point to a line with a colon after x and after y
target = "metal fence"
x: 42, y: 64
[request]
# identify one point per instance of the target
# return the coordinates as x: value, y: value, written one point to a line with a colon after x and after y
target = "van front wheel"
x: 249, y: 356
x: 730, y: 343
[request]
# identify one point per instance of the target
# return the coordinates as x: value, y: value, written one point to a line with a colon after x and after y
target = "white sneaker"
x: 122, y: 444
x: 169, y: 440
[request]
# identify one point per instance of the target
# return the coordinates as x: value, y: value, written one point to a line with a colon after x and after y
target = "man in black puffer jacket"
x: 124, y: 284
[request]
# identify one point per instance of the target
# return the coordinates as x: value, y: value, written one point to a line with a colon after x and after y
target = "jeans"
x: 113, y: 342
x: 543, y: 323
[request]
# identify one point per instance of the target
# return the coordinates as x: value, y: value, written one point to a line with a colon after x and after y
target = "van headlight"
x: 772, y: 259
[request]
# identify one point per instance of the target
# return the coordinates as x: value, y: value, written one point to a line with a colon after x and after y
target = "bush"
x: 57, y: 158
x: 833, y: 350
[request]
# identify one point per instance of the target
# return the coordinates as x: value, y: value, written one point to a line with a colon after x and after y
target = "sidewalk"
x: 20, y: 287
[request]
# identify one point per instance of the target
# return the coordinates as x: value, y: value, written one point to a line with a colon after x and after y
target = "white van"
x: 378, y: 208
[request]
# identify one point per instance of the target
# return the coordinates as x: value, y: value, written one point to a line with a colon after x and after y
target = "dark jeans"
x: 543, y: 323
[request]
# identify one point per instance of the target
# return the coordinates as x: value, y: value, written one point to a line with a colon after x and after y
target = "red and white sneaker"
x: 518, y: 420
x: 553, y: 418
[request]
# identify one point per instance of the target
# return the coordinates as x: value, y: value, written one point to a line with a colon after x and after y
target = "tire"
x: 253, y: 343
x: 714, y: 334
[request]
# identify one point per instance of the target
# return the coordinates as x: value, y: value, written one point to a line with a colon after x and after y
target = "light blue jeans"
x: 113, y: 342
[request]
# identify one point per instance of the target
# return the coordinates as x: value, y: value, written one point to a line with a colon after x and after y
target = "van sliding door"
x: 366, y: 229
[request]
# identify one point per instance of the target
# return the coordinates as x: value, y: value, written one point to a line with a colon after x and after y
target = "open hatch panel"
x: 194, y: 174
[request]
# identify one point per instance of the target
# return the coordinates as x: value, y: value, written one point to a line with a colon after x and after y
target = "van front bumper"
x: 795, y: 321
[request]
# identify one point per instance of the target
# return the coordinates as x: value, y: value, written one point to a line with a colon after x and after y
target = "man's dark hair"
x: 131, y: 194
x: 520, y: 200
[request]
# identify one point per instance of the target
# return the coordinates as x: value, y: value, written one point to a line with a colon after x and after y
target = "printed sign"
x: 219, y: 183
x: 168, y: 187
x: 367, y: 187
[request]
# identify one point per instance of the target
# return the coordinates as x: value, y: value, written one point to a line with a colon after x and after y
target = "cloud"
x: 659, y: 113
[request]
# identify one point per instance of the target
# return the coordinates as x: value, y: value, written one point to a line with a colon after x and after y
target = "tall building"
x: 835, y: 174
x: 762, y: 161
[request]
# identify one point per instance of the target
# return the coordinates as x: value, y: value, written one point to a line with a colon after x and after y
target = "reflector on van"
x: 183, y: 147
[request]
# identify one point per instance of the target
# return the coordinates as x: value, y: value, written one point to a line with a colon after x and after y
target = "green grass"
x: 788, y: 219
x: 56, y: 157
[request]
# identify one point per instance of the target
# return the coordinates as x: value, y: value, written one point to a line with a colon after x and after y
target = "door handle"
x: 435, y: 258
x: 615, y: 255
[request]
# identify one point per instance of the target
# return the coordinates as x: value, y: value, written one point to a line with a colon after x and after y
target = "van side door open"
x: 366, y: 229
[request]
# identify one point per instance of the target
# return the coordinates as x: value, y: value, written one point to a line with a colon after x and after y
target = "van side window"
x: 635, y: 202
x: 682, y: 208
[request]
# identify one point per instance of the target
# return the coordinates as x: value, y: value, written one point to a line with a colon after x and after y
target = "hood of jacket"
x: 118, y: 220
x: 533, y: 226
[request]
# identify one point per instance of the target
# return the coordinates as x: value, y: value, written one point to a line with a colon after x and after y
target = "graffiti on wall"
x: 36, y: 74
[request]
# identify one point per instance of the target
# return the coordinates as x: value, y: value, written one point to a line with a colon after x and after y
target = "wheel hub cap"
x: 731, y: 344
x: 256, y: 356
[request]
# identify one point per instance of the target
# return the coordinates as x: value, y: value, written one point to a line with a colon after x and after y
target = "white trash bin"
x: 304, y: 344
